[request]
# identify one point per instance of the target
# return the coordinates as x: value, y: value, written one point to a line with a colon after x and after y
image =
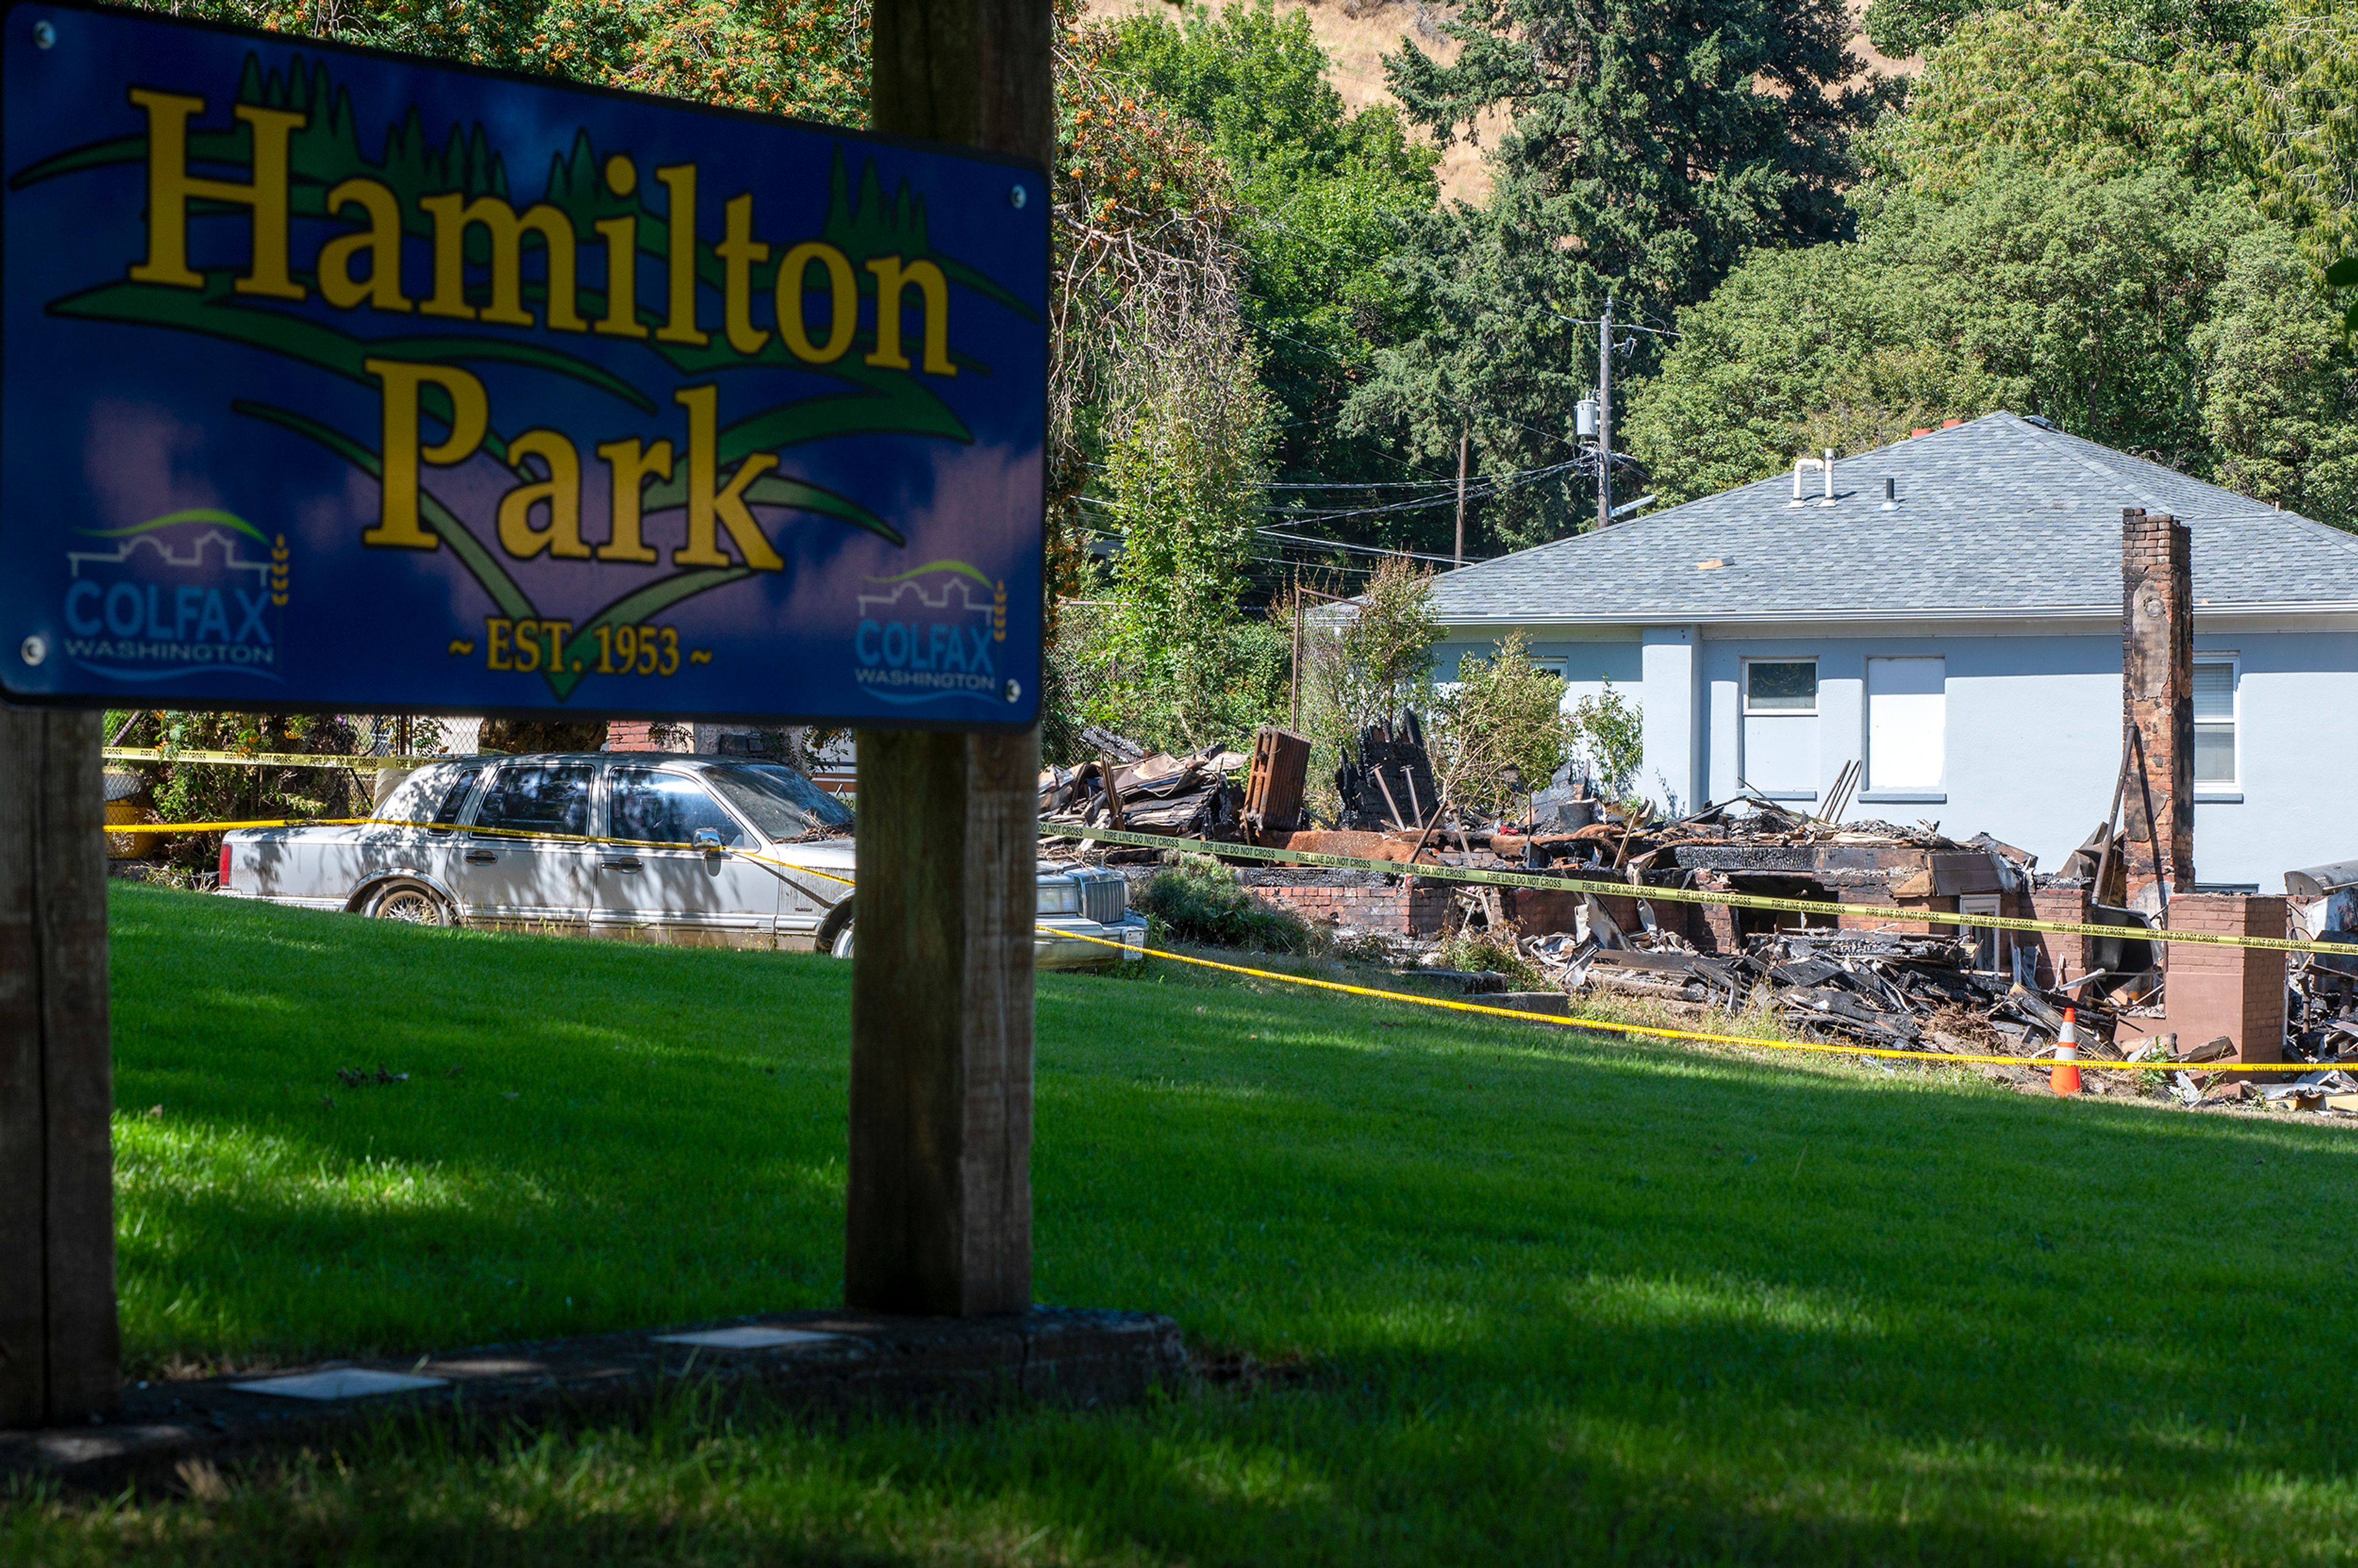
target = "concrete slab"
x: 752, y: 1336
x: 819, y: 1363
x: 339, y: 1383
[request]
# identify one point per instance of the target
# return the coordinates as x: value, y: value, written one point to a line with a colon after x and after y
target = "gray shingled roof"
x: 1997, y: 518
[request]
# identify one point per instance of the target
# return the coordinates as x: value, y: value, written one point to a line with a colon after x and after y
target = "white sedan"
x: 691, y: 850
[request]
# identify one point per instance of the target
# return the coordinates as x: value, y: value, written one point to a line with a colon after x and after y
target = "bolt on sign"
x: 334, y: 378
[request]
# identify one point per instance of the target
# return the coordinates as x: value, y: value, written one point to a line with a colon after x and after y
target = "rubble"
x: 1934, y: 988
x: 1185, y: 797
x: 1388, y: 784
x: 1881, y: 988
x: 2321, y: 989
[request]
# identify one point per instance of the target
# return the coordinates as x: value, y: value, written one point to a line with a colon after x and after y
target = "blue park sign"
x: 337, y: 379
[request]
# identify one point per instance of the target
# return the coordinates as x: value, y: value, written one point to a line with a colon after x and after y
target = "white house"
x: 1948, y: 609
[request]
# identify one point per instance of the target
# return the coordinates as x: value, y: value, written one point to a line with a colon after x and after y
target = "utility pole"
x: 1297, y: 682
x: 1605, y: 416
x: 1465, y: 445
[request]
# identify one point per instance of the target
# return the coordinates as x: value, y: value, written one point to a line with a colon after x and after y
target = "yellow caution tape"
x: 1657, y: 1031
x: 1561, y: 1020
x: 1435, y: 870
x: 252, y: 759
x: 231, y: 826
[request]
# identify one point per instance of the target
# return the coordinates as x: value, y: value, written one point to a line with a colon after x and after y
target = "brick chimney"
x: 2157, y: 705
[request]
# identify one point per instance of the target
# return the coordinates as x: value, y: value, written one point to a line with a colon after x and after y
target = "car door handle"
x: 619, y: 863
x: 481, y: 857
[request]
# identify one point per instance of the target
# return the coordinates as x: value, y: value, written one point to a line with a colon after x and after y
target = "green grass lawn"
x: 1541, y: 1298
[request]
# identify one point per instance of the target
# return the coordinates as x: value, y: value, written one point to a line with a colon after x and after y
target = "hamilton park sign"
x: 337, y: 379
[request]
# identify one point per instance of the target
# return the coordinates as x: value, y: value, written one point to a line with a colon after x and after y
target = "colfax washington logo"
x: 176, y: 594
x: 919, y: 644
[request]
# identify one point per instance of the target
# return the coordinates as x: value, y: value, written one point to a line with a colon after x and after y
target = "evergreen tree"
x: 1653, y: 141
x: 1646, y: 144
x: 1323, y: 197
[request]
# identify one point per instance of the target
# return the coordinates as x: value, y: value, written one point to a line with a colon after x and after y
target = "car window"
x: 539, y: 797
x: 454, y: 798
x: 782, y: 803
x: 435, y: 792
x: 651, y: 807
x: 413, y: 797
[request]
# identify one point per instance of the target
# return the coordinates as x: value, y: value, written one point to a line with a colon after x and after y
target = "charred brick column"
x: 2062, y: 956
x: 2157, y: 705
x: 2236, y: 992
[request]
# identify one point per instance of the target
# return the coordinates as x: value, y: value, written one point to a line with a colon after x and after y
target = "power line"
x: 1354, y: 549
x: 1370, y: 485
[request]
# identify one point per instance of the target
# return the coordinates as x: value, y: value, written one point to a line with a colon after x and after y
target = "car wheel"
x: 413, y: 902
x: 842, y: 949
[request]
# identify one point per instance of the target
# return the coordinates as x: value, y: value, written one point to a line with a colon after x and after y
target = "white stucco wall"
x: 2032, y: 741
x: 1587, y: 663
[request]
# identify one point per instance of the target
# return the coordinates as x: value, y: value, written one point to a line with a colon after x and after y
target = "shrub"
x: 1609, y: 734
x: 1505, y: 711
x: 1495, y: 951
x: 1198, y: 899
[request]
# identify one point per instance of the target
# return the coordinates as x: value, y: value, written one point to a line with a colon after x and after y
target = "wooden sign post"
x: 60, y: 1350
x: 939, y: 1217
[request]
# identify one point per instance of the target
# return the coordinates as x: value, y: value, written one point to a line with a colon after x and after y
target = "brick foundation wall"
x: 1412, y: 907
x: 630, y: 735
x: 1419, y: 907
x: 1536, y: 913
x: 2236, y: 992
x: 1712, y: 927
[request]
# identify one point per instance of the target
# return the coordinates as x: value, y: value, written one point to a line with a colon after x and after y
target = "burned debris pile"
x: 1185, y: 797
x: 1804, y: 923
x: 1388, y: 786
x: 2321, y: 1001
x: 1880, y: 988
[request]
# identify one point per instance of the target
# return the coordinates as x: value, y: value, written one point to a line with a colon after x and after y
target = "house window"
x: 2214, y: 724
x: 1906, y: 724
x: 1780, y: 686
x: 1780, y: 727
x: 1985, y: 938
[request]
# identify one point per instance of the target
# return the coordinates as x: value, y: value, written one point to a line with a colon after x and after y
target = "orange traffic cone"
x: 2065, y: 1078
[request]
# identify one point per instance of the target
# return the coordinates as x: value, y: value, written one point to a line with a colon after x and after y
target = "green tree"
x: 1322, y: 194
x: 807, y: 58
x: 1362, y: 659
x: 1373, y: 656
x: 1505, y: 711
x: 2146, y: 29
x: 2147, y: 310
x: 2279, y: 399
x: 2063, y: 88
x: 1497, y: 364
x: 1608, y: 734
x: 1653, y: 140
x: 1182, y: 480
x: 1648, y: 144
x: 2301, y: 138
x: 2058, y: 223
